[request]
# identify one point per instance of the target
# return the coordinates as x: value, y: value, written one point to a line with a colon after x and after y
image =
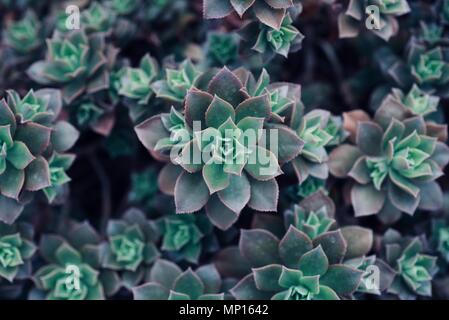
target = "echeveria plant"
x: 354, y: 18
x: 218, y: 143
x: 73, y: 267
x: 269, y: 12
x: 394, y: 164
x: 16, y: 250
x: 29, y: 132
x: 75, y: 62
x: 168, y: 282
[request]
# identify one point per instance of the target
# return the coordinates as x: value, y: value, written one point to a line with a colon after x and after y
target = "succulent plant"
x: 24, y: 36
x: 97, y: 18
x: 270, y: 40
x: 394, y: 165
x: 58, y: 164
x: 184, y: 235
x: 73, y: 266
x: 353, y: 19
x: 16, y: 251
x: 225, y: 155
x: 144, y: 188
x: 440, y: 238
x: 135, y: 83
x: 30, y: 131
x: 168, y: 282
x: 75, y: 62
x: 297, y: 267
x: 429, y: 67
x: 312, y: 223
x: 221, y: 48
x: 269, y: 12
x: 131, y: 246
x: 312, y: 160
x: 416, y: 101
x: 414, y: 268
x: 177, y: 82
x: 310, y: 186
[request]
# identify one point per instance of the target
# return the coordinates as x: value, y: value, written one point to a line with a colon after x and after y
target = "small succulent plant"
x: 440, y: 238
x: 221, y: 48
x: 270, y: 40
x: 269, y: 12
x: 16, y: 251
x: 312, y: 160
x: 24, y: 36
x: 416, y: 101
x: 414, y: 268
x: 135, y: 83
x: 29, y: 133
x: 184, y: 236
x: 177, y: 82
x: 73, y: 269
x: 124, y: 7
x: 75, y: 62
x: 394, y: 165
x: 352, y: 20
x: 131, y: 246
x: 168, y: 282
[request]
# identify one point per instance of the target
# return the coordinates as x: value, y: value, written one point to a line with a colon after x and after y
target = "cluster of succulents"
x: 224, y: 150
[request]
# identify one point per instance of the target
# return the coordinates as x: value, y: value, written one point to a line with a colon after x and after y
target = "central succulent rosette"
x: 224, y: 163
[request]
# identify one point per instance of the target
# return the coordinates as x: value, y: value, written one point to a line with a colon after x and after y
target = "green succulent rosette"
x: 218, y: 145
x: 296, y: 267
x: 77, y: 63
x: 377, y: 277
x: 135, y: 83
x: 73, y: 267
x: 168, y: 282
x: 429, y: 67
x: 177, y: 82
x: 269, y: 12
x: 416, y: 101
x: 310, y: 186
x: 414, y: 268
x: 394, y: 164
x: 24, y: 36
x: 131, y: 247
x: 185, y: 237
x: 29, y: 134
x: 352, y: 21
x: 16, y: 250
x: 313, y: 131
x: 270, y: 41
x: 58, y: 164
x: 97, y: 18
x: 221, y: 48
